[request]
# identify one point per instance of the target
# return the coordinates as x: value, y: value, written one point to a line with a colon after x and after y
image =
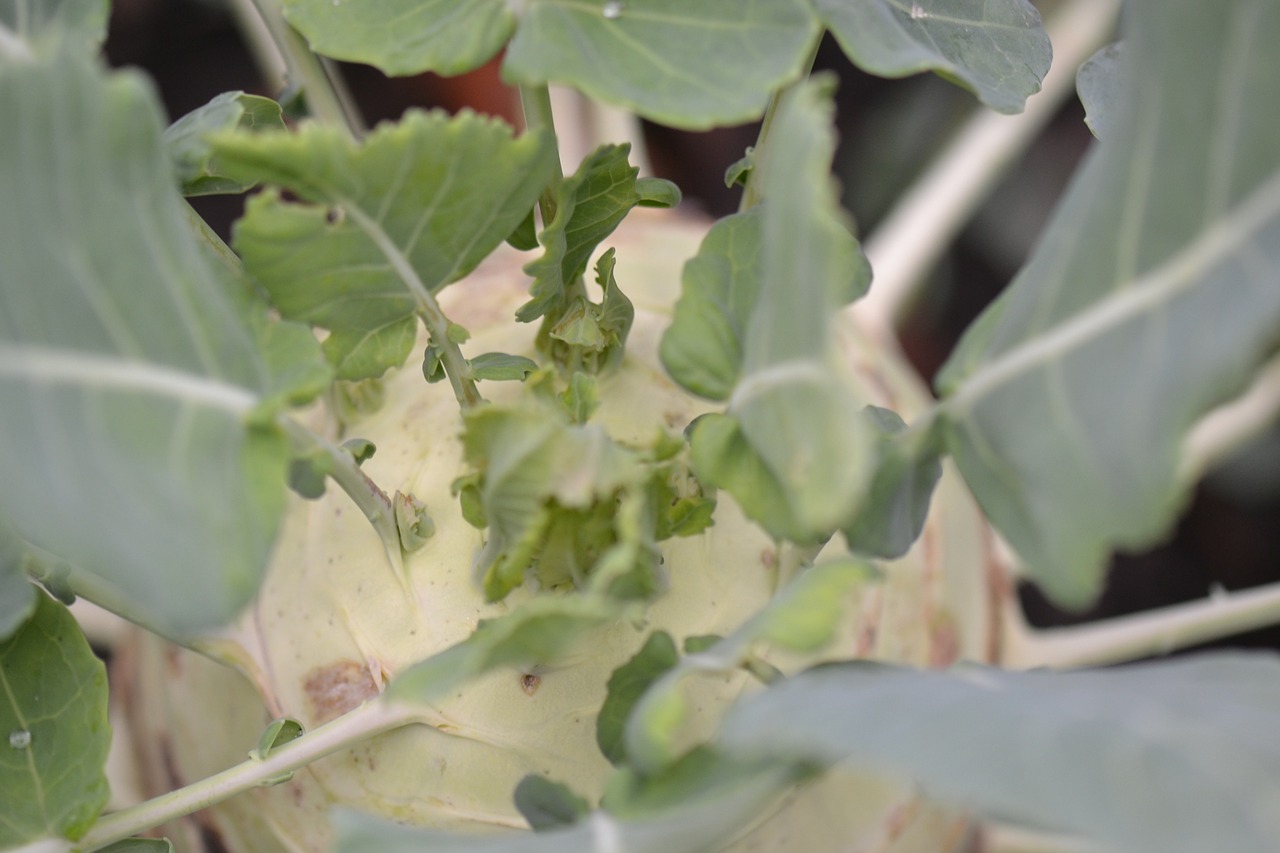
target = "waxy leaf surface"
x: 995, y: 48
x: 53, y: 729
x: 405, y: 36
x: 1171, y: 757
x: 187, y: 139
x: 129, y: 368
x: 1150, y: 300
x: 690, y: 65
x: 1098, y: 84
x: 40, y: 26
x: 417, y: 204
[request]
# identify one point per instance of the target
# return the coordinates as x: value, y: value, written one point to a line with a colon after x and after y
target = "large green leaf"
x: 128, y: 369
x: 1171, y: 757
x: 691, y: 65
x: 53, y: 729
x: 417, y: 204
x: 188, y: 144
x: 1098, y: 83
x: 996, y: 48
x: 794, y: 422
x: 406, y: 36
x: 1150, y: 299
x: 31, y: 26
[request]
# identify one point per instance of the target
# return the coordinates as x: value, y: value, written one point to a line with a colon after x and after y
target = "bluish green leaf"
x: 702, y: 348
x: 1150, y: 300
x: 1170, y: 757
x: 187, y: 139
x: 794, y: 407
x: 995, y: 48
x: 535, y: 634
x: 42, y: 26
x: 898, y: 504
x: 704, y: 820
x: 277, y: 733
x: 547, y: 805
x: 130, y: 375
x: 626, y: 685
x: 406, y: 36
x: 589, y: 206
x: 418, y: 204
x: 804, y: 617
x: 1098, y: 82
x: 690, y: 65
x: 53, y: 729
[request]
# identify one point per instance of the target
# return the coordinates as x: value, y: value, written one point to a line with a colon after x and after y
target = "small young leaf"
x: 367, y: 353
x: 525, y: 237
x: 626, y: 686
x: 1177, y: 756
x: 547, y: 805
x: 499, y: 366
x: 582, y: 397
x: 657, y: 192
x: 995, y: 48
x: 413, y: 521
x: 188, y: 144
x: 361, y: 449
x: 277, y: 733
x: 54, y: 733
x: 307, y: 474
x: 739, y: 170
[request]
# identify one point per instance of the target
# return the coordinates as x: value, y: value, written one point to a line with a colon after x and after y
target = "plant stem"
x: 327, y: 97
x: 751, y: 193
x: 538, y: 115
x: 1228, y: 427
x: 455, y: 366
x: 366, y: 721
x: 908, y: 243
x: 364, y: 492
x: 1141, y: 635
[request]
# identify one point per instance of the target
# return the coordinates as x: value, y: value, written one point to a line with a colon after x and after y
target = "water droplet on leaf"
x: 917, y: 11
x: 20, y: 739
x: 613, y: 9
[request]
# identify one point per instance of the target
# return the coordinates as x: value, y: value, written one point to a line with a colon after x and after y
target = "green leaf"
x: 187, y: 139
x: 631, y: 795
x: 1170, y: 757
x: 626, y: 685
x: 417, y: 205
x: 1149, y: 301
x: 537, y: 633
x: 277, y: 733
x: 44, y: 26
x: 689, y: 65
x: 704, y: 820
x: 702, y: 348
x: 500, y: 367
x: 54, y: 733
x: 1098, y: 81
x: 367, y: 353
x: 139, y: 845
x: 804, y: 617
x: 403, y: 37
x: 547, y: 805
x: 898, y: 504
x: 589, y: 206
x: 525, y: 237
x: 131, y: 375
x: 995, y: 48
x: 796, y: 419
x: 412, y: 521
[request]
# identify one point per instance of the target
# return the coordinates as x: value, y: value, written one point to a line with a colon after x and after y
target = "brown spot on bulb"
x: 336, y: 688
x: 529, y: 683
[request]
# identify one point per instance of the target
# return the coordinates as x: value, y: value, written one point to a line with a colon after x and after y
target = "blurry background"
x: 1229, y: 537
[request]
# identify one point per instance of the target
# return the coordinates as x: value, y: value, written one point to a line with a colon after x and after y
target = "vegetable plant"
x: 469, y: 499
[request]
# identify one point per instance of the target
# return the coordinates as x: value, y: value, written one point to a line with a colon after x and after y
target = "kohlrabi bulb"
x: 335, y: 620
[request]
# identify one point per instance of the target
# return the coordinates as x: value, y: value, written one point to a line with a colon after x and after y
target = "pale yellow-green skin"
x: 335, y: 621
